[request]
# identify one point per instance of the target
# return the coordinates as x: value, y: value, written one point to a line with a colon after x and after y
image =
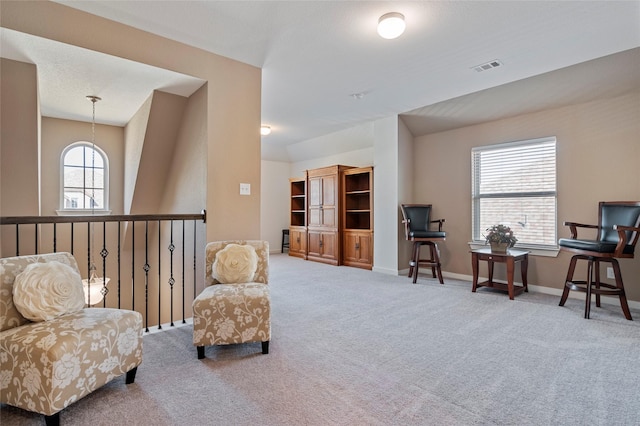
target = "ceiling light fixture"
x: 265, y: 130
x: 391, y: 25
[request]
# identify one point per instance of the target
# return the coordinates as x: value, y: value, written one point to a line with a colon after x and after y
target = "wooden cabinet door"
x: 323, y: 198
x: 313, y: 244
x: 329, y: 201
x: 349, y: 249
x: 298, y: 242
x: 323, y: 246
x: 365, y: 254
x: 315, y: 201
x: 329, y: 246
x: 357, y: 249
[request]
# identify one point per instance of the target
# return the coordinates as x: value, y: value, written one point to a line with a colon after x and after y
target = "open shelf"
x: 358, y: 199
x: 298, y: 204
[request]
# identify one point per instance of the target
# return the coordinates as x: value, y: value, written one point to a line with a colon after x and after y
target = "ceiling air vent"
x: 487, y: 65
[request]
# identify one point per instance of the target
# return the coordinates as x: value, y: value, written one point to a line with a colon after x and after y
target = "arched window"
x: 85, y: 178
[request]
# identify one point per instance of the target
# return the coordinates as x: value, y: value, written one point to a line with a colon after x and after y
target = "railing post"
x: 184, y: 321
x: 159, y: 276
x: 146, y: 275
x: 171, y: 280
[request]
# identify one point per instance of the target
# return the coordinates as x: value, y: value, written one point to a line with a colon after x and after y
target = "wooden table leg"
x: 523, y: 267
x: 490, y: 272
x: 474, y: 265
x: 510, y: 268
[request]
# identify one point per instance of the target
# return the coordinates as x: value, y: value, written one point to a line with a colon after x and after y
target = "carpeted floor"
x: 354, y: 347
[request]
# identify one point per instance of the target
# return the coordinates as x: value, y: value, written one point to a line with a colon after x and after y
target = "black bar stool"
x: 285, y: 240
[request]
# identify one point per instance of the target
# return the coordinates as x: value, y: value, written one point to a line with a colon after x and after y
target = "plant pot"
x: 499, y: 247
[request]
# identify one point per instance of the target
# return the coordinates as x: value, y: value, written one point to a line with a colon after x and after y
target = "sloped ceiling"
x: 316, y: 54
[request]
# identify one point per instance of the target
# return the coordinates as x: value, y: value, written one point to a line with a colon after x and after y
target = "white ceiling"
x: 316, y: 54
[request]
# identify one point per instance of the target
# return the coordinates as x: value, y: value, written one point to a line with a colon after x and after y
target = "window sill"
x: 534, y: 251
x: 83, y: 212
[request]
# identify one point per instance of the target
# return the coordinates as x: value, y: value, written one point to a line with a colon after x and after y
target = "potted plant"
x: 500, y: 237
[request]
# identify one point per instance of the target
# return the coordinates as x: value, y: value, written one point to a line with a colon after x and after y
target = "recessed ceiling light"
x: 265, y: 130
x: 391, y: 25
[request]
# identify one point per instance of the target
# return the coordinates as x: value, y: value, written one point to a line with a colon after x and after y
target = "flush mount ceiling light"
x: 391, y: 25
x: 265, y: 130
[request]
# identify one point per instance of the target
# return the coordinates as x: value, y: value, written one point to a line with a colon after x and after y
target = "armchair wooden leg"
x: 412, y: 262
x: 416, y: 261
x: 435, y: 256
x: 587, y: 307
x: 567, y: 283
x: 131, y: 375
x: 265, y: 347
x: 596, y: 280
x: 200, y: 352
x: 52, y: 420
x: 619, y: 285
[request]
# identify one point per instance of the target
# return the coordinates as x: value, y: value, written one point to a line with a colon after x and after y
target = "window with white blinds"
x: 515, y: 184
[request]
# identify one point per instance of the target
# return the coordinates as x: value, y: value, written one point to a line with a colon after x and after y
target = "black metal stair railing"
x: 152, y: 273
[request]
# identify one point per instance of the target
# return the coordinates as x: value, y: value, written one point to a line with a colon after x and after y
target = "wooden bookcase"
x: 298, y: 217
x: 331, y: 216
x: 357, y: 217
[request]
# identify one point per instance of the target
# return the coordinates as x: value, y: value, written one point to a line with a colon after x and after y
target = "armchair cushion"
x: 44, y: 291
x: 593, y: 245
x: 235, y: 264
x: 427, y: 234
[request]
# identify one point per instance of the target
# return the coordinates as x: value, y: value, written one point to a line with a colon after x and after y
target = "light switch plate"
x: 610, y: 273
x: 245, y: 189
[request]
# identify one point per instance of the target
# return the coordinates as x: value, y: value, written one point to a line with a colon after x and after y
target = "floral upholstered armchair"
x: 53, y: 350
x: 236, y: 305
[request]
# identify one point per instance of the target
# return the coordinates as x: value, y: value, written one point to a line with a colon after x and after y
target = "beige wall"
x: 233, y: 101
x: 19, y: 150
x: 184, y: 191
x: 275, y: 195
x: 598, y: 148
x: 157, y: 154
x: 57, y: 134
x: 19, y: 146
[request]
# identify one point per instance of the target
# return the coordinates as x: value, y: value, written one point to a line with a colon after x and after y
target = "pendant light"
x: 95, y: 288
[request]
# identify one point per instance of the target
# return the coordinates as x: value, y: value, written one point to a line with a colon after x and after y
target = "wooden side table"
x: 511, y: 257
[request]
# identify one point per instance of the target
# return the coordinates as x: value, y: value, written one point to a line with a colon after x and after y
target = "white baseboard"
x: 387, y: 271
x: 610, y: 300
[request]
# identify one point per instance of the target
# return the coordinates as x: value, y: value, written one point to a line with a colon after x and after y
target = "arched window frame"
x: 84, y: 211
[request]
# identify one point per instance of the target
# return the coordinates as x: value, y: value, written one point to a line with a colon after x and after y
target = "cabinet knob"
x: 357, y: 246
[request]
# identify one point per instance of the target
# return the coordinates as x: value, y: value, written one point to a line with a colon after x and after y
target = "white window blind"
x: 515, y: 184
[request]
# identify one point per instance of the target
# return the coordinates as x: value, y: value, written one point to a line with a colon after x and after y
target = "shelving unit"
x: 298, y: 202
x: 331, y: 216
x: 298, y: 217
x: 358, y: 217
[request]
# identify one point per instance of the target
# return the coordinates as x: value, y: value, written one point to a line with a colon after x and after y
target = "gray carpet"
x: 354, y: 347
